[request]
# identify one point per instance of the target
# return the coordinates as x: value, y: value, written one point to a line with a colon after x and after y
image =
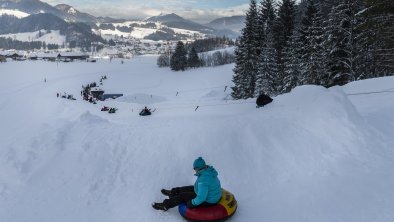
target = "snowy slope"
x: 137, y: 32
x: 16, y: 13
x: 54, y: 37
x: 142, y: 32
x: 314, y: 154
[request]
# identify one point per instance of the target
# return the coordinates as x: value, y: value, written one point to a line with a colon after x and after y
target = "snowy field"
x: 54, y: 37
x: 313, y: 155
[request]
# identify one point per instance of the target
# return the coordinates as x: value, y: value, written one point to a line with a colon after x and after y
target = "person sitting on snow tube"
x: 206, y: 191
x: 145, y: 112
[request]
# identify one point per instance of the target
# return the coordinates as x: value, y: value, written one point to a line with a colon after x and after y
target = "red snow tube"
x: 219, y: 212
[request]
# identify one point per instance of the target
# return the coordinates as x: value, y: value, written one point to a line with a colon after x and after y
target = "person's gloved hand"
x: 189, y: 204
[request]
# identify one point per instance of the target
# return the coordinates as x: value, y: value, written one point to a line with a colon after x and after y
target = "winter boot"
x: 166, y: 192
x: 159, y: 206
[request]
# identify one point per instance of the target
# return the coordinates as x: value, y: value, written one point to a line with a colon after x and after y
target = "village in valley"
x: 123, y: 51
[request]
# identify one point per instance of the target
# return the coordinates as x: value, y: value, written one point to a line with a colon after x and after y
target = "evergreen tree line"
x: 217, y: 58
x: 210, y: 44
x: 322, y: 42
x: 9, y: 43
x: 182, y: 58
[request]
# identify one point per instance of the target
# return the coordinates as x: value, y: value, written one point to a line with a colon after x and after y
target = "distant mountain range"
x: 62, y: 11
x: 79, y: 34
x: 233, y: 23
x: 40, y: 15
x: 217, y: 27
x: 175, y: 21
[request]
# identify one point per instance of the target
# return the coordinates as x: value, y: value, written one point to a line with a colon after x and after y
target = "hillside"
x: 314, y: 154
x: 79, y: 33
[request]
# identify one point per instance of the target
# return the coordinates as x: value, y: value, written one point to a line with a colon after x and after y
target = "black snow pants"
x: 182, y: 195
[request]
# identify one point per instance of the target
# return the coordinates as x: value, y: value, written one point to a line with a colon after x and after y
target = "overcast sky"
x: 197, y: 10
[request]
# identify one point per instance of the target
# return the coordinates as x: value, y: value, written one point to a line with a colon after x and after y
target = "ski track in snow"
x: 314, y: 154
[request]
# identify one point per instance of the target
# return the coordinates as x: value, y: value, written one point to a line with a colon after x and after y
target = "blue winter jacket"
x: 207, y: 187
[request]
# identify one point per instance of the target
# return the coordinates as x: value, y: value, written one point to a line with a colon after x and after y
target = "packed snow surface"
x: 314, y: 154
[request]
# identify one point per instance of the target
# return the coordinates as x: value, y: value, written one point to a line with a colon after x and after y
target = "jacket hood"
x: 209, y: 171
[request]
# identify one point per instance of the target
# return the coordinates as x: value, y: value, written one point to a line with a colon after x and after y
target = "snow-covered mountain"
x: 170, y: 27
x: 29, y: 6
x: 79, y: 33
x: 314, y: 154
x: 175, y: 21
x: 233, y: 24
x: 152, y: 29
x: 12, y: 12
x: 73, y: 15
x: 62, y: 11
x: 22, y: 18
x: 163, y: 27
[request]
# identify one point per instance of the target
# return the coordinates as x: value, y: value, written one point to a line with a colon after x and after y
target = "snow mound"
x: 88, y: 118
x: 320, y: 103
x: 322, y: 127
x: 307, y: 146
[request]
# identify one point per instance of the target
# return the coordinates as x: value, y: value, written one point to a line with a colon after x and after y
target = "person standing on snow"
x: 206, y: 191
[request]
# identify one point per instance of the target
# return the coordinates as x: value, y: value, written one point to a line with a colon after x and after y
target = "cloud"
x: 198, y: 15
x: 204, y: 16
x: 133, y: 9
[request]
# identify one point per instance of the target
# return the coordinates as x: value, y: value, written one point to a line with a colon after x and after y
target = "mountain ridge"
x: 167, y: 27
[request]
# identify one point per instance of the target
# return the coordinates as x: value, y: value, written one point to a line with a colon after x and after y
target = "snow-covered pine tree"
x: 292, y: 60
x: 260, y: 28
x: 267, y: 73
x: 285, y: 21
x: 379, y: 26
x: 179, y: 59
x: 342, y: 42
x: 266, y: 79
x: 317, y: 69
x: 284, y: 27
x: 193, y: 60
x: 266, y: 17
x: 311, y: 37
x: 364, y: 47
x: 163, y: 60
x: 246, y: 54
x: 326, y: 5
